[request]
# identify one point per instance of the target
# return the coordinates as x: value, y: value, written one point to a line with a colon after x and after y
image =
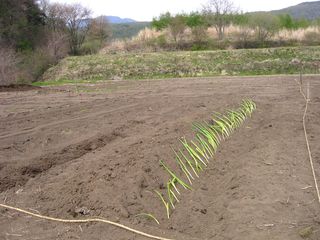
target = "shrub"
x: 8, y: 66
x: 242, y: 37
x: 33, y: 64
x: 161, y: 41
x: 177, y: 26
x: 161, y: 22
x: 90, y: 47
x: 199, y: 46
x: 265, y: 26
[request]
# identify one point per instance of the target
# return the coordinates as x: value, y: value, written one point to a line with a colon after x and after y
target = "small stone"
x: 19, y: 191
x: 82, y: 210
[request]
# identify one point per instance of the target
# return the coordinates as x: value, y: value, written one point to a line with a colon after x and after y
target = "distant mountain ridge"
x: 127, y: 30
x: 307, y: 10
x: 116, y: 20
x: 121, y: 27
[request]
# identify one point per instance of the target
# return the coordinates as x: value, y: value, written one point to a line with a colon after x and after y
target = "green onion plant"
x: 195, y: 155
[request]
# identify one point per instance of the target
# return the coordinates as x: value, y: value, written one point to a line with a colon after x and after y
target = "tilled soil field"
x: 78, y: 152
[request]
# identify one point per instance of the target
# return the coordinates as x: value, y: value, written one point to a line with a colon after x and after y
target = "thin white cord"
x: 307, y: 100
x: 83, y: 221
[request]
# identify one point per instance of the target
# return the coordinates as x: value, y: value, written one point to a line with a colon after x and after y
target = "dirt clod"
x: 82, y: 210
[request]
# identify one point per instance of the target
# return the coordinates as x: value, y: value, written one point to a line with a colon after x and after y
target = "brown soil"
x: 96, y: 151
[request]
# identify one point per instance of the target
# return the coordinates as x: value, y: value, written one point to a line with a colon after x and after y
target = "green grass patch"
x: 269, y: 61
x: 64, y: 82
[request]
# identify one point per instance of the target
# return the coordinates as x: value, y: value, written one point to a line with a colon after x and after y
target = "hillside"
x: 307, y: 10
x: 122, y: 27
x: 184, y: 64
x: 127, y: 30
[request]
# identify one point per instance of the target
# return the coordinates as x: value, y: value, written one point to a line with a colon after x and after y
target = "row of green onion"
x: 194, y: 155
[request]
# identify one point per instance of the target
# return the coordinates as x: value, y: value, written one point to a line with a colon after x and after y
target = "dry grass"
x: 141, y: 42
x: 150, y: 40
x: 147, y: 34
x: 299, y: 34
x: 283, y: 35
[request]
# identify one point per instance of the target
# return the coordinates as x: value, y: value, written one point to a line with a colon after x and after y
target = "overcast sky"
x: 145, y: 10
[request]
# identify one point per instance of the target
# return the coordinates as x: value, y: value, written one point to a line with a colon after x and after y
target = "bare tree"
x: 76, y: 18
x: 199, y: 33
x: 56, y: 38
x: 100, y: 29
x: 57, y: 45
x: 218, y: 14
x: 55, y: 15
x: 73, y: 19
x: 243, y: 36
x: 265, y: 25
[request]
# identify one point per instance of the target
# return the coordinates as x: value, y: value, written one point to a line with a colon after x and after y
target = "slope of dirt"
x: 96, y: 153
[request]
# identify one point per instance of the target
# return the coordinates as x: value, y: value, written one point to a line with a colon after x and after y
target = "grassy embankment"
x: 94, y: 68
